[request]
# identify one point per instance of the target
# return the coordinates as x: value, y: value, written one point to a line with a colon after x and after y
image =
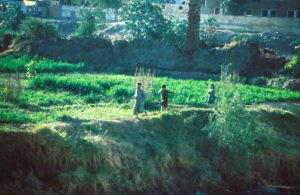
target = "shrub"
x: 37, y: 64
x: 88, y: 24
x: 145, y: 20
x: 13, y: 117
x: 12, y: 17
x: 240, y: 37
x: 37, y: 28
x: 293, y: 67
x: 236, y: 132
x: 208, y: 32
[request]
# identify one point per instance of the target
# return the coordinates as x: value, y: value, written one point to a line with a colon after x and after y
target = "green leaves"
x: 31, y: 28
x: 145, y: 20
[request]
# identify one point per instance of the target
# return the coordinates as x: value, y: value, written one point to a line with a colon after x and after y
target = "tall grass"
x: 10, y: 64
x: 237, y: 134
x: 189, y: 92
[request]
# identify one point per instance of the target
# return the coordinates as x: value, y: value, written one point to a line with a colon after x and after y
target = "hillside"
x: 166, y: 154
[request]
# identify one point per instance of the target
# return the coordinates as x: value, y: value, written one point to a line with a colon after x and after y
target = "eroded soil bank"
x: 164, y: 154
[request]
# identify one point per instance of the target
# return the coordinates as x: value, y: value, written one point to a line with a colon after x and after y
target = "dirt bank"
x: 166, y: 154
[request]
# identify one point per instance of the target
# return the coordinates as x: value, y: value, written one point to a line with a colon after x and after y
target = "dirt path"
x: 289, y: 106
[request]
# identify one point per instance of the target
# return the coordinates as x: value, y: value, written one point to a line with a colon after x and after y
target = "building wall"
x: 247, y: 23
x: 281, y: 6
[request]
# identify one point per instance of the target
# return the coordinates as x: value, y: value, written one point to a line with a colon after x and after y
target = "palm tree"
x: 193, y: 25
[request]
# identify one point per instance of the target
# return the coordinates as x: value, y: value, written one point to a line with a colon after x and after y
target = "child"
x: 211, y: 94
x: 164, y: 97
x: 140, y: 98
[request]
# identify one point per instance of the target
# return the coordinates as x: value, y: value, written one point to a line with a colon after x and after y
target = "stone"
x: 293, y: 84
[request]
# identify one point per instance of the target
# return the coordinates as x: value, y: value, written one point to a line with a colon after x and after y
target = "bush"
x: 12, y: 17
x: 37, y: 28
x: 37, y: 64
x: 145, y: 20
x: 208, y: 32
x: 89, y: 19
x: 236, y: 132
x: 293, y: 67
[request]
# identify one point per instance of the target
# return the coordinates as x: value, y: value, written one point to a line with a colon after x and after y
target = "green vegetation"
x: 11, y: 18
x: 293, y: 67
x: 50, y: 97
x: 158, y: 153
x: 163, y: 153
x: 189, y: 92
x: 11, y: 64
x: 37, y: 28
x: 144, y: 19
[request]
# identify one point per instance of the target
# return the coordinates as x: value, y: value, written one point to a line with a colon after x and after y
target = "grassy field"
x: 96, y: 149
x: 61, y: 94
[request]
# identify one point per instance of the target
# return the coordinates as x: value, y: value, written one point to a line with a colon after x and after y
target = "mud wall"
x: 245, y: 23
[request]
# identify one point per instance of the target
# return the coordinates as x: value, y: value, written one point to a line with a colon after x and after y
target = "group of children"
x: 140, y: 97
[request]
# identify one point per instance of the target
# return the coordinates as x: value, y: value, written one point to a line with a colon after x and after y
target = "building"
x: 263, y: 8
x: 272, y: 8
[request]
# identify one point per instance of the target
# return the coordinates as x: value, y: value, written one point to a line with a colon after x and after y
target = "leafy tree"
x: 145, y: 20
x: 37, y: 28
x: 193, y: 25
x: 293, y: 67
x: 12, y: 17
x: 232, y: 7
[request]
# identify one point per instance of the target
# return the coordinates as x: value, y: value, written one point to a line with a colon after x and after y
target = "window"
x: 249, y: 12
x: 273, y: 13
x: 268, y: 13
x: 290, y: 14
x: 217, y: 10
x: 293, y: 14
x: 202, y: 3
x: 264, y: 13
x: 180, y: 7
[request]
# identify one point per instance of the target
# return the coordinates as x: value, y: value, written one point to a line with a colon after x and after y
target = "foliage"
x: 232, y: 7
x: 94, y: 3
x: 37, y: 28
x: 293, y: 67
x: 88, y: 24
x: 120, y: 87
x: 144, y: 19
x: 13, y: 117
x: 12, y: 17
x: 11, y: 88
x: 240, y: 37
x: 37, y: 64
x: 236, y: 132
x: 208, y: 31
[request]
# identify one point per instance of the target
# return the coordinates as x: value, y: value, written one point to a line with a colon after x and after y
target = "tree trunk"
x: 193, y: 25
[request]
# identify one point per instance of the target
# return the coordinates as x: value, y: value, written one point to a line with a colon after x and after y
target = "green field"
x: 61, y: 94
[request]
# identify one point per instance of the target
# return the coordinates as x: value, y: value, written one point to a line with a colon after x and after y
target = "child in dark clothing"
x: 164, y: 97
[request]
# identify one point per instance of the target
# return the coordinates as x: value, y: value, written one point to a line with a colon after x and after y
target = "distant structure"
x: 41, y: 8
x: 263, y: 8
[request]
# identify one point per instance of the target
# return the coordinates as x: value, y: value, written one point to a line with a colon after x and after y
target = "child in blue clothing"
x: 211, y: 94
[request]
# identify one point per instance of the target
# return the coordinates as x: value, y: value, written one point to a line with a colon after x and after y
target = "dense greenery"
x: 188, y: 91
x: 145, y: 20
x: 293, y: 67
x: 37, y: 28
x: 47, y: 96
x: 12, y: 17
x: 11, y: 64
x: 232, y: 7
x: 89, y: 20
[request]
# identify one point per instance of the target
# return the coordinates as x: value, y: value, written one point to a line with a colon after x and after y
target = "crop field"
x: 64, y: 91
